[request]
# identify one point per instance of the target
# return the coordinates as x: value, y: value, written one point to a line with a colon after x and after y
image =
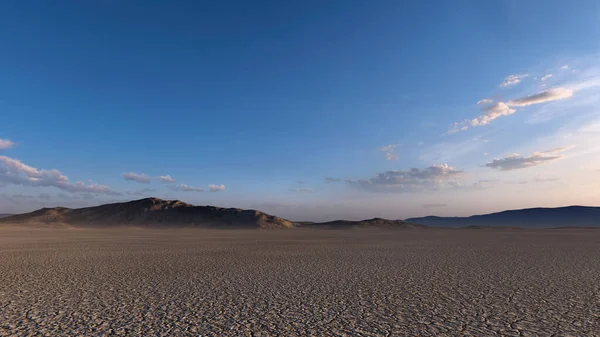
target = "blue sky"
x: 266, y: 100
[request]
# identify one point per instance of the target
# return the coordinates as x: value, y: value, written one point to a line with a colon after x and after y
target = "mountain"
x: 151, y: 212
x: 370, y: 223
x: 4, y: 215
x: 571, y: 216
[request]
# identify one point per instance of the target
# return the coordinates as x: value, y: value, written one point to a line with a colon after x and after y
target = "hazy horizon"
x: 304, y: 110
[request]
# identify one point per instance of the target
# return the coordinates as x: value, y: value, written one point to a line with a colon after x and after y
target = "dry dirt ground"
x: 68, y: 282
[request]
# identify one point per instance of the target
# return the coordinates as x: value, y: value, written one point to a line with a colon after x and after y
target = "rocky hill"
x: 151, y: 212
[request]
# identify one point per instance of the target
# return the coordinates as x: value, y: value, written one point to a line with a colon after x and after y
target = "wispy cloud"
x: 511, y: 80
x: 166, y: 179
x: 415, y: 179
x: 216, y: 188
x: 186, y: 188
x: 6, y: 144
x: 545, y: 77
x: 485, y: 101
x: 516, y: 161
x: 44, y: 196
x: 565, y: 67
x: 390, y: 151
x: 499, y: 109
x: 303, y: 189
x: 140, y: 178
x: 542, y: 97
x: 14, y: 171
x: 332, y: 180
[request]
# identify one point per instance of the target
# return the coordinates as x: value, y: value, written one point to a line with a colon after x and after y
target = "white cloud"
x: 140, y: 178
x: 186, y: 188
x: 166, y: 179
x: 13, y: 171
x: 415, y: 179
x: 516, y: 161
x: 485, y: 101
x: 492, y: 112
x: 390, y: 151
x: 500, y: 109
x: 216, y: 188
x: 545, y: 77
x: 542, y: 97
x: 513, y: 80
x: 6, y: 144
x: 565, y: 67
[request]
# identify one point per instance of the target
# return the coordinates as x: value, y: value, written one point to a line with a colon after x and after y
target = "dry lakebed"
x: 300, y: 282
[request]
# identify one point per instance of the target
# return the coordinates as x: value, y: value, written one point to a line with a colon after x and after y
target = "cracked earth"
x: 68, y: 282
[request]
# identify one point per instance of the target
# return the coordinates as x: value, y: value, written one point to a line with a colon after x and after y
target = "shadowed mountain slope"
x: 370, y: 223
x: 571, y: 216
x: 151, y: 212
x: 4, y: 215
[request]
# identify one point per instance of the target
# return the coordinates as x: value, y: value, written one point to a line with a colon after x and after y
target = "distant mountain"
x: 571, y: 216
x: 150, y: 212
x: 4, y: 215
x: 370, y: 223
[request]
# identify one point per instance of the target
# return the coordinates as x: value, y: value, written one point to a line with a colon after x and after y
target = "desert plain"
x: 299, y: 282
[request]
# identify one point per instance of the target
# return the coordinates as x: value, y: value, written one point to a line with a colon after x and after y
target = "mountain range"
x: 570, y: 216
x: 158, y: 213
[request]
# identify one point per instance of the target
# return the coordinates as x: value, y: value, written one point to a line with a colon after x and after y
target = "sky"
x: 309, y: 110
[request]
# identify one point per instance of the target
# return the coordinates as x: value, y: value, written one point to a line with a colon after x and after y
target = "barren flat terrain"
x: 73, y: 282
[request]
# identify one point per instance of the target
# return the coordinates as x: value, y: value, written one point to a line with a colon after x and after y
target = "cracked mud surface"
x: 299, y: 283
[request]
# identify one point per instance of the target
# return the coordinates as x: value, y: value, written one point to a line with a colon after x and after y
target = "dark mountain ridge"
x: 151, y: 212
x: 569, y: 216
x: 157, y: 213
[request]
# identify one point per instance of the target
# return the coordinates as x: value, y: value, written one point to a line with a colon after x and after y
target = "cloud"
x: 415, y: 179
x: 434, y: 205
x: 186, y: 188
x: 500, y: 109
x: 485, y: 101
x: 516, y: 161
x: 44, y: 196
x: 140, y: 178
x: 166, y: 179
x: 390, y: 153
x: 303, y: 189
x: 21, y: 196
x: 216, y: 188
x: 13, y: 171
x: 545, y: 77
x: 330, y: 180
x: 513, y: 80
x: 389, y: 148
x: 492, y: 112
x: 5, y: 144
x: 565, y: 67
x: 391, y: 156
x: 544, y: 96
